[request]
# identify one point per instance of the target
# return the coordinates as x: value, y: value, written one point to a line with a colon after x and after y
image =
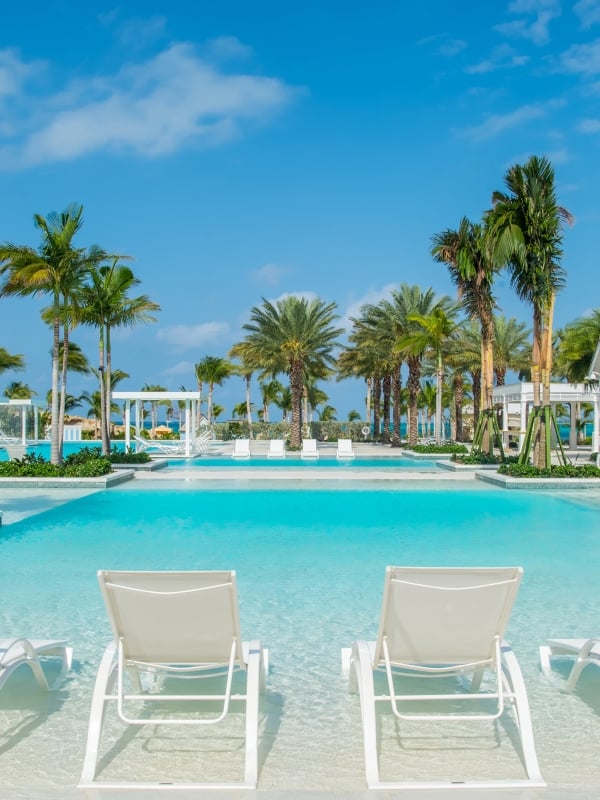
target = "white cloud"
x: 185, y: 337
x: 502, y: 57
x: 589, y: 126
x: 180, y: 368
x: 495, y: 124
x: 588, y: 12
x: 372, y: 297
x: 582, y: 59
x: 536, y: 29
x: 270, y: 274
x: 173, y: 100
x: 447, y: 45
x: 14, y: 72
x: 137, y: 33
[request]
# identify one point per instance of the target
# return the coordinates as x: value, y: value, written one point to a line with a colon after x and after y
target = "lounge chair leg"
x: 104, y: 682
x: 363, y: 669
x: 254, y: 678
x: 545, y: 665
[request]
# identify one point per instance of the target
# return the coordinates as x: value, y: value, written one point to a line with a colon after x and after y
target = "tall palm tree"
x: 432, y: 334
x: 105, y: 303
x: 154, y: 404
x: 270, y: 392
x: 245, y: 368
x: 212, y: 370
x: 296, y: 337
x: 409, y: 301
x: 468, y: 254
x: 526, y: 224
x: 57, y: 268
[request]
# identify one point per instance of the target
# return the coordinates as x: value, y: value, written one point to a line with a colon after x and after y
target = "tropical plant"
x: 58, y: 269
x: 16, y: 390
x: 212, y: 370
x: 576, y: 347
x: 353, y: 415
x: 105, y: 304
x: 296, y: 337
x: 526, y: 226
x: 512, y: 349
x: 8, y: 361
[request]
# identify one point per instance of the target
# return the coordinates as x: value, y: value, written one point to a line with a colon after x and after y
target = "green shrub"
x: 448, y: 447
x: 86, y: 463
x: 483, y: 458
x: 555, y: 471
x: 130, y: 457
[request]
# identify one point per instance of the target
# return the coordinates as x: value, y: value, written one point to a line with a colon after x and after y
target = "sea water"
x: 310, y: 566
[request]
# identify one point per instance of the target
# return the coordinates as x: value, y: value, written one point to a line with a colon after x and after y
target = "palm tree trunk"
x: 376, y: 408
x: 55, y: 444
x: 396, y: 389
x: 296, y: 390
x: 386, y: 386
x: 107, y: 399
x: 476, y: 383
x: 63, y: 384
x: 369, y: 382
x: 249, y: 406
x: 438, y: 400
x: 414, y: 375
x: 458, y: 407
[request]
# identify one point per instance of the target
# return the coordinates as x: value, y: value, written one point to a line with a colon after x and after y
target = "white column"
x: 127, y: 422
x: 188, y: 428
x: 24, y: 425
x: 596, y: 430
x: 574, y: 407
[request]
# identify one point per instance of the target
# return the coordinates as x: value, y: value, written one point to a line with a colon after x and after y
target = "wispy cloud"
x: 534, y: 20
x: 180, y: 368
x: 581, y: 59
x: 502, y: 57
x: 496, y: 124
x: 371, y: 297
x: 270, y: 274
x: 588, y: 12
x: 445, y: 45
x: 588, y: 126
x: 185, y: 337
x: 152, y: 108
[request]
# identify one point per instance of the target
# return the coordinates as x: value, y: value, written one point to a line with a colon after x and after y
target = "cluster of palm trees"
x: 463, y: 342
x: 86, y: 287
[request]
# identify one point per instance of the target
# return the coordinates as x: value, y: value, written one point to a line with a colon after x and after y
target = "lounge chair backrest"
x: 309, y: 445
x: 173, y: 617
x: 344, y: 447
x: 445, y: 615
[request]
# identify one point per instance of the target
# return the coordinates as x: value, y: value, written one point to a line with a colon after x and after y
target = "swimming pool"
x: 310, y: 565
x: 295, y: 462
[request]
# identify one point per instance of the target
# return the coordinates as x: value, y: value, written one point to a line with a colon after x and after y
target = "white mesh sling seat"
x: 345, y: 449
x: 37, y: 654
x: 241, y: 448
x: 585, y: 652
x: 444, y: 623
x: 174, y: 624
x: 276, y: 448
x: 309, y: 449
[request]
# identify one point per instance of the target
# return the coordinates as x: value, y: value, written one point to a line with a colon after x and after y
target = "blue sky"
x: 244, y: 150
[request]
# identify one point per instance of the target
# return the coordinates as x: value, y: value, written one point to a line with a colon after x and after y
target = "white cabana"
x: 192, y: 412
x: 19, y: 419
x: 516, y: 399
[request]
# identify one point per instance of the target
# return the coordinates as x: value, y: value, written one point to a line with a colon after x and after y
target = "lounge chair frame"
x: 241, y: 448
x: 309, y: 449
x: 276, y: 448
x: 404, y: 648
x: 14, y: 653
x: 344, y: 449
x: 586, y: 652
x: 173, y: 590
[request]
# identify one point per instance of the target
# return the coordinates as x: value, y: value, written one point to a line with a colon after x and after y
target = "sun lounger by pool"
x: 586, y: 652
x: 174, y: 625
x: 36, y: 654
x: 276, y: 448
x: 309, y: 449
x: 444, y: 623
x: 345, y: 449
x: 241, y: 448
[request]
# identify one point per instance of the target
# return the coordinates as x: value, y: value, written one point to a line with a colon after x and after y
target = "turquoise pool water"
x: 310, y: 566
x: 295, y: 462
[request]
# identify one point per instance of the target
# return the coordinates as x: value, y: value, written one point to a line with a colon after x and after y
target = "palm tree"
x: 58, y: 269
x: 16, y: 390
x: 8, y: 361
x: 432, y: 334
x: 327, y: 414
x: 245, y: 368
x: 105, y: 304
x: 409, y: 301
x: 270, y: 391
x: 526, y: 225
x: 511, y: 347
x: 283, y: 401
x: 296, y: 337
x: 577, y: 345
x: 353, y: 416
x: 212, y: 370
x: 154, y: 404
x: 467, y: 252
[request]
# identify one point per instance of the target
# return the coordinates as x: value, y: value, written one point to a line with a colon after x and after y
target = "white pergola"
x: 23, y: 408
x: 517, y: 398
x: 192, y: 411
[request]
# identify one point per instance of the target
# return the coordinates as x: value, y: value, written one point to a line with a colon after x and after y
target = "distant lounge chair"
x: 586, y: 652
x: 276, y: 448
x: 170, y: 625
x: 345, y: 449
x: 162, y: 447
x: 14, y: 653
x: 442, y: 623
x: 309, y: 449
x: 4, y: 439
x: 241, y: 448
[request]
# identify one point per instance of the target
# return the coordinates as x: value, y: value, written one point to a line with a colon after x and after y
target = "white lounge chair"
x: 345, y: 449
x: 14, y: 653
x: 241, y: 448
x: 276, y: 448
x: 174, y: 625
x: 586, y: 652
x: 309, y: 449
x: 442, y: 623
x: 162, y: 448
